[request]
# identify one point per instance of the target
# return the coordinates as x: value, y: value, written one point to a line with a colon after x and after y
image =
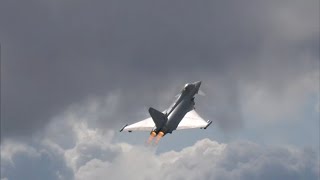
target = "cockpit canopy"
x: 187, y: 87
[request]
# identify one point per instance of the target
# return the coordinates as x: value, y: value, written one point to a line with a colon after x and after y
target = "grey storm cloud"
x: 95, y: 154
x: 56, y: 53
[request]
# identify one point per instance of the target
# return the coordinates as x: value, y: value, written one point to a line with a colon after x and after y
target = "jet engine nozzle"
x: 152, y: 135
x: 159, y: 136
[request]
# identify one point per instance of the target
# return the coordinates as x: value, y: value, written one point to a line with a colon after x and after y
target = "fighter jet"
x: 180, y: 115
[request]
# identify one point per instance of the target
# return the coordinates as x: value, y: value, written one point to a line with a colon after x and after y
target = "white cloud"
x: 9, y: 149
x: 206, y: 160
x: 31, y: 160
x: 72, y: 148
x: 95, y: 156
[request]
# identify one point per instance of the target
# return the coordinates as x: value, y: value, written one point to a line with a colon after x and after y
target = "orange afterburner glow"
x: 160, y: 135
x: 152, y: 135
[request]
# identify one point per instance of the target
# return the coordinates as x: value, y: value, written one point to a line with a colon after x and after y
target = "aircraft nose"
x: 197, y: 84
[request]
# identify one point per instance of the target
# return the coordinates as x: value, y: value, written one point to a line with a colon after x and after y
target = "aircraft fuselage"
x: 183, y: 104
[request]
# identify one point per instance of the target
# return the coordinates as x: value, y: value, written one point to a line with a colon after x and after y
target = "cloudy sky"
x: 74, y: 72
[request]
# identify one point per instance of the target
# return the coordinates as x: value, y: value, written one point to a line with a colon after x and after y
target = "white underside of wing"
x: 192, y: 120
x: 189, y: 121
x: 144, y: 125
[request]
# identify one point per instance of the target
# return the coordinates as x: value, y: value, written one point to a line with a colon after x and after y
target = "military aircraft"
x: 180, y: 115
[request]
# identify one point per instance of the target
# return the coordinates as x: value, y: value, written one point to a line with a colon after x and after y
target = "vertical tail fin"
x: 158, y: 117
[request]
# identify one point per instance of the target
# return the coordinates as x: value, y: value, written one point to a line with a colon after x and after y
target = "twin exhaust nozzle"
x: 158, y: 136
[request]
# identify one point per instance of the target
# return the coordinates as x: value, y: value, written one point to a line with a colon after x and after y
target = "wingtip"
x: 209, y: 123
x: 123, y: 128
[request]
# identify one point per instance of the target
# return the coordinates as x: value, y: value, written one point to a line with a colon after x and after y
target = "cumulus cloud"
x: 207, y: 159
x: 32, y: 160
x: 12, y: 148
x: 88, y: 152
